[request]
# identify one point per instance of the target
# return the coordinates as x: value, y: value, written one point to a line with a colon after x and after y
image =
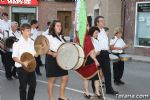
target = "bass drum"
x: 70, y: 56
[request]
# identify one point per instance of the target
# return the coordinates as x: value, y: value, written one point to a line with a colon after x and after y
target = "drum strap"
x: 85, y: 59
x: 115, y: 42
x: 14, y: 34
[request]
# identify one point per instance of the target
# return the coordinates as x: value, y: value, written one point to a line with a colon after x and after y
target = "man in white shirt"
x: 13, y: 31
x: 34, y: 32
x: 4, y: 32
x: 5, y: 25
x: 10, y: 69
x: 117, y: 45
x: 104, y: 54
x: 25, y: 44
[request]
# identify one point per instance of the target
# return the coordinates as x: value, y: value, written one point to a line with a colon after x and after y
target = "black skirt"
x: 52, y: 68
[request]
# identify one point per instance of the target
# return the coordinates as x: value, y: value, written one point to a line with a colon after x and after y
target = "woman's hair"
x: 117, y: 30
x: 52, y: 28
x: 92, y: 30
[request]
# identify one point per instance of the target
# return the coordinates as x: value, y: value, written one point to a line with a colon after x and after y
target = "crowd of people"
x: 98, y: 53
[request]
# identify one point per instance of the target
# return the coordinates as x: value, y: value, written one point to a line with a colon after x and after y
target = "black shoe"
x: 121, y: 82
x: 9, y: 78
x: 62, y: 99
x: 117, y: 83
x: 42, y: 65
x: 40, y: 74
x: 15, y: 76
x: 87, y: 96
x: 112, y: 92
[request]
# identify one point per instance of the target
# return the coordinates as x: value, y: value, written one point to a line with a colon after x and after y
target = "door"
x: 65, y: 18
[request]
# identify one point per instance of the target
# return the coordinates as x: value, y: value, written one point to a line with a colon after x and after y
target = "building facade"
x: 132, y: 15
x: 43, y: 11
x: 137, y: 26
x: 110, y: 9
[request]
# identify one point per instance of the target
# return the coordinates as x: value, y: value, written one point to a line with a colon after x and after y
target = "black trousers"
x: 26, y: 78
x: 38, y: 64
x: 104, y: 61
x: 10, y: 69
x: 2, y: 57
x: 118, y: 69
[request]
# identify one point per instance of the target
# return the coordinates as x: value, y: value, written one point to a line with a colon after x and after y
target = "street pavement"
x: 136, y: 77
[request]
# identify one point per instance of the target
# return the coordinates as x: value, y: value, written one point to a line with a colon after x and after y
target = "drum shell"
x: 81, y: 57
x: 125, y: 57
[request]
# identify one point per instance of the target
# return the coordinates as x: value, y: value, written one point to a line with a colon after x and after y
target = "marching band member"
x: 47, y: 28
x: 5, y: 25
x: 53, y: 71
x: 91, y: 61
x: 13, y: 31
x: 4, y: 29
x: 93, y: 32
x: 117, y: 46
x: 34, y: 32
x: 104, y: 54
x: 24, y: 44
x: 10, y: 69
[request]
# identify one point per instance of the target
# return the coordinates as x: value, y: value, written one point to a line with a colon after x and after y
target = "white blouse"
x: 96, y: 44
x: 54, y: 43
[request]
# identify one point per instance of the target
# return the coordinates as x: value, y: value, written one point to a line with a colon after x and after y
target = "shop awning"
x: 19, y: 2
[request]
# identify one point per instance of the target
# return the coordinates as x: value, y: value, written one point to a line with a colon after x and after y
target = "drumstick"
x: 101, y: 85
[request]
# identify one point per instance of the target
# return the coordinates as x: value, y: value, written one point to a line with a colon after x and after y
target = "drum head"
x: 41, y: 45
x: 68, y: 56
x: 31, y: 61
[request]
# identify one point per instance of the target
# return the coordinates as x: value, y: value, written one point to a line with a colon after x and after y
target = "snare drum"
x: 113, y: 58
x: 70, y: 56
x: 125, y: 57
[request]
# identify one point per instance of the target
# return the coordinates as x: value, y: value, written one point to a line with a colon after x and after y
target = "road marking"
x: 75, y: 90
x: 71, y: 89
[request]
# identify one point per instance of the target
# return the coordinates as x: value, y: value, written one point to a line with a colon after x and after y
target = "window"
x: 142, y: 24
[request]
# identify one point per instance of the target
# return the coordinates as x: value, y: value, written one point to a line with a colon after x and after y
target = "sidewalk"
x: 140, y: 58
